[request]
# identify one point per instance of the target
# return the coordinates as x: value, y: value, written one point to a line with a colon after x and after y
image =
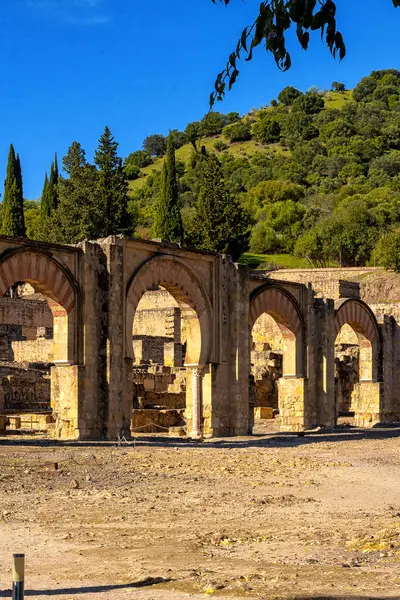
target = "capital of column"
x: 196, y: 370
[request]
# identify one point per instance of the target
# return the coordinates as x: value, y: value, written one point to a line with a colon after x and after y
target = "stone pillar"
x: 117, y: 370
x: 292, y: 404
x: 326, y: 408
x: 366, y: 397
x: 236, y: 409
x: 67, y: 388
x: 390, y: 404
x: 196, y: 429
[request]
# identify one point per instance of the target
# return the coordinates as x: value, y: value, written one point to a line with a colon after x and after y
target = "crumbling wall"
x: 25, y: 389
x: 266, y: 362
x: 157, y: 330
x: 331, y: 283
x: 159, y: 387
x: 347, y: 375
x: 25, y: 312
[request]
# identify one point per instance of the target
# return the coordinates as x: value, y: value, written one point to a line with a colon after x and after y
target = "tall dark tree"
x: 45, y: 200
x: 74, y: 159
x: 53, y: 183
x: 49, y: 202
x: 222, y: 223
x: 112, y: 187
x: 13, y: 223
x: 168, y: 222
x: 78, y: 215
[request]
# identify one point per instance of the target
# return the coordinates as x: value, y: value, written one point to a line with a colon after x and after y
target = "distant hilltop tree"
x: 338, y: 87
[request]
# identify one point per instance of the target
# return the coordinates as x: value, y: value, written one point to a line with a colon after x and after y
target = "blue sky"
x: 70, y: 67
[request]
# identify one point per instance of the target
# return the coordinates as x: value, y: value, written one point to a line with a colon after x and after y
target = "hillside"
x: 246, y: 148
x: 316, y: 176
x: 313, y: 179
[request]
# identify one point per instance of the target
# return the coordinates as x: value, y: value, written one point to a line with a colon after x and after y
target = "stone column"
x: 196, y: 402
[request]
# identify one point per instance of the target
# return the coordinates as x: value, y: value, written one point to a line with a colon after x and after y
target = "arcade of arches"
x: 139, y: 328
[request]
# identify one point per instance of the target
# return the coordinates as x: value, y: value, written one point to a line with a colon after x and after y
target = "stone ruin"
x: 119, y: 335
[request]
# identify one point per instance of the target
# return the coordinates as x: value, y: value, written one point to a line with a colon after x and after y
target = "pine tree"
x: 168, y: 222
x: 112, y: 188
x: 77, y: 215
x: 222, y: 223
x: 13, y: 223
x: 74, y: 159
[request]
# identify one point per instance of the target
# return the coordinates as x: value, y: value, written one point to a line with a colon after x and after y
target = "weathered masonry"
x: 307, y: 351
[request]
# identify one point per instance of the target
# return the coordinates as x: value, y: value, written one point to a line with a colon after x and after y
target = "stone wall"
x: 24, y: 389
x: 327, y: 283
x: 25, y: 312
x: 159, y: 398
x: 32, y: 351
x: 157, y: 330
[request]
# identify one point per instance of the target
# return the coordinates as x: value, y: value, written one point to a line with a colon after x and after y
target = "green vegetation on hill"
x: 318, y: 174
x: 311, y: 180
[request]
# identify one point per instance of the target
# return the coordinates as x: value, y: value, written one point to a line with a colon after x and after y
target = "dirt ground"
x: 269, y: 516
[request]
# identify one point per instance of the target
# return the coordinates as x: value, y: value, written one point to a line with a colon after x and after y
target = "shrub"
x: 140, y: 158
x: 132, y: 171
x: 387, y: 251
x: 310, y: 103
x: 220, y: 146
x: 267, y: 131
x: 238, y: 132
x: 212, y: 123
x: 288, y: 95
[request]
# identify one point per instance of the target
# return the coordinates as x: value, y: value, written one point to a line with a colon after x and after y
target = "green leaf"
x: 243, y: 39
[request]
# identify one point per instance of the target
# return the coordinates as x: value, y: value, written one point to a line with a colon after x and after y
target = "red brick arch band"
x: 277, y: 304
x: 356, y: 314
x: 43, y: 273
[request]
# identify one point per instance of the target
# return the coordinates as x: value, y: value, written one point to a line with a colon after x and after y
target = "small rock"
x: 74, y: 484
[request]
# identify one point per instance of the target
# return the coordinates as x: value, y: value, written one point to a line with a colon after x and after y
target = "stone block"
x: 264, y: 412
x: 14, y: 422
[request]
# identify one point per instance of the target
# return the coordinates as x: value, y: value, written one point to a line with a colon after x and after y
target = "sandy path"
x: 266, y: 517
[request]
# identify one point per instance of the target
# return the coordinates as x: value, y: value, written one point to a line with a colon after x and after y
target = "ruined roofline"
x: 265, y: 276
x: 41, y: 245
x: 158, y: 244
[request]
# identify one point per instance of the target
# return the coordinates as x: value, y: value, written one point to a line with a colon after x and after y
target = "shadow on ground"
x: 269, y: 440
x: 145, y: 583
x: 95, y: 589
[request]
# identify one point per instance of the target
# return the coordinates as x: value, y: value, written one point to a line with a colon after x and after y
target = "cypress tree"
x: 222, y: 223
x: 112, y: 188
x: 13, y: 223
x: 53, y: 184
x: 168, y: 222
x: 45, y: 201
